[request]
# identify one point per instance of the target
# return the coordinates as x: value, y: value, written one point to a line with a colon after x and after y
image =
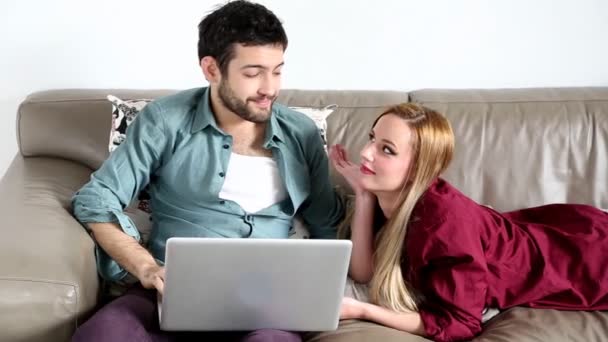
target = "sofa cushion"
x: 539, y: 325
x: 517, y: 324
x: 362, y: 331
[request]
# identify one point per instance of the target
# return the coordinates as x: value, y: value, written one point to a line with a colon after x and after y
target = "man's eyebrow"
x: 253, y: 66
x: 259, y: 66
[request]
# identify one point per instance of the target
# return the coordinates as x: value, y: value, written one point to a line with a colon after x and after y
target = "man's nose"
x: 270, y: 86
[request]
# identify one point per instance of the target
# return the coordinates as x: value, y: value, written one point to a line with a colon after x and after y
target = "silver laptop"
x: 218, y: 284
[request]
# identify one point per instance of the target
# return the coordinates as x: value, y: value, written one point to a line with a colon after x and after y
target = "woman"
x: 435, y: 260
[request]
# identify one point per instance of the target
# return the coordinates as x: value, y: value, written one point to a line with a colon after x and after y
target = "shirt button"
x: 221, y: 174
x: 226, y: 146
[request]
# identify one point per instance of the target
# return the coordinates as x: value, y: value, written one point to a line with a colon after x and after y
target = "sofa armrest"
x: 48, y: 277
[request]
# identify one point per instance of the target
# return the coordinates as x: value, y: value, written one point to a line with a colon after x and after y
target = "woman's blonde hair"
x: 432, y: 147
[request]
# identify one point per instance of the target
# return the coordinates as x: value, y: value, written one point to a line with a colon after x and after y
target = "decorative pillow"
x: 125, y: 111
x: 319, y: 116
x: 123, y: 114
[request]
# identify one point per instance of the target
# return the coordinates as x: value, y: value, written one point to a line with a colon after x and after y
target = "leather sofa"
x: 514, y: 148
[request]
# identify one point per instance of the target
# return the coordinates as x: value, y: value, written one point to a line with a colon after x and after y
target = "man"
x: 222, y: 161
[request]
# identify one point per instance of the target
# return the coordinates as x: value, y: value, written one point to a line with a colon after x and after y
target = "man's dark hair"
x: 240, y: 22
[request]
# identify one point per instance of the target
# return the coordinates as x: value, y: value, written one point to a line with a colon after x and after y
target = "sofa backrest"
x: 526, y: 147
x: 74, y: 124
x: 70, y: 124
x: 514, y: 148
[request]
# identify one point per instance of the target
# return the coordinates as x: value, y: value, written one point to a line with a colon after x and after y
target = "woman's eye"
x: 371, y: 137
x: 387, y: 150
x: 251, y: 76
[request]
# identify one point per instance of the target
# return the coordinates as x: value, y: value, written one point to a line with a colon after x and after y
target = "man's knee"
x: 129, y: 318
x: 104, y: 327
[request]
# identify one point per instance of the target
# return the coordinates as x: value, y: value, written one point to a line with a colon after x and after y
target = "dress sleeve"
x: 450, y: 266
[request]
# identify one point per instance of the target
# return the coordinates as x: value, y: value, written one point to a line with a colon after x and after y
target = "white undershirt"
x: 253, y: 182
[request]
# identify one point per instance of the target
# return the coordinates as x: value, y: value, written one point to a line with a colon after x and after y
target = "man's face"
x: 252, y: 81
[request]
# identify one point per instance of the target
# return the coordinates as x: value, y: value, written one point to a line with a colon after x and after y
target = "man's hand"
x: 129, y: 254
x: 152, y: 276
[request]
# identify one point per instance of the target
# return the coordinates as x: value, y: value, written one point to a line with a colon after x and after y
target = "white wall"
x: 347, y: 44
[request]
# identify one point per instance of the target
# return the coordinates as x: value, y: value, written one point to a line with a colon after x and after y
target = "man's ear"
x: 211, y: 69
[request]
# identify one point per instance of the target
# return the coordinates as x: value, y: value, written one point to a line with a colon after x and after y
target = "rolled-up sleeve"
x: 325, y: 208
x: 119, y: 180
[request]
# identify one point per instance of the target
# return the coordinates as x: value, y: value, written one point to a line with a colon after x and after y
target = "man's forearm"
x: 124, y: 249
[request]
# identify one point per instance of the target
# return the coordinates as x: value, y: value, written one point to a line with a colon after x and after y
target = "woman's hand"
x: 352, y: 309
x: 346, y: 168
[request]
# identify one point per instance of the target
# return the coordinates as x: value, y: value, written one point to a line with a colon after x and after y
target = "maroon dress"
x: 463, y: 257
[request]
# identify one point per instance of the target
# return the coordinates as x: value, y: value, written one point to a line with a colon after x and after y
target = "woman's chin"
x: 369, y: 187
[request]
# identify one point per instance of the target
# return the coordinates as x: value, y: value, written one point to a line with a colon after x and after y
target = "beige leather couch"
x: 515, y: 148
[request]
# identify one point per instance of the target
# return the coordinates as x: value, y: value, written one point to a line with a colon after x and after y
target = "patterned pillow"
x: 125, y: 111
x: 319, y: 116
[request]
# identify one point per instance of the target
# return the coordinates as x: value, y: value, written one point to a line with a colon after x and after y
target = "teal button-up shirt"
x: 175, y: 146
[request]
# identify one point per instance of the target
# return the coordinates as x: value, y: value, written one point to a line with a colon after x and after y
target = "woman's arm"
x: 404, y: 321
x: 362, y: 236
x: 361, y: 225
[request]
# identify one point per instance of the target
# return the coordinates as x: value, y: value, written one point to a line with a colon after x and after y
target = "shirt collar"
x: 274, y: 131
x: 204, y: 115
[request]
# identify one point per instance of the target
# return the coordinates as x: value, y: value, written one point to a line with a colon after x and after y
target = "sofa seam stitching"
x: 46, y: 281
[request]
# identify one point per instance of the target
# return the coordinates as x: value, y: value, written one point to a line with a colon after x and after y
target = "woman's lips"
x: 366, y: 171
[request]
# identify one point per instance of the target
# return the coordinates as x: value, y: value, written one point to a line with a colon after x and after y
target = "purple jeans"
x: 133, y: 317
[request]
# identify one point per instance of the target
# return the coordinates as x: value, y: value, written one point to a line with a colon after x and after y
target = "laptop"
x: 222, y: 284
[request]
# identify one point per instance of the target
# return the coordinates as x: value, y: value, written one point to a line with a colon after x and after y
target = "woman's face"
x: 386, y: 158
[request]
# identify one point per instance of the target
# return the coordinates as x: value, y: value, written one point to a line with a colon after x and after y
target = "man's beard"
x: 238, y: 107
